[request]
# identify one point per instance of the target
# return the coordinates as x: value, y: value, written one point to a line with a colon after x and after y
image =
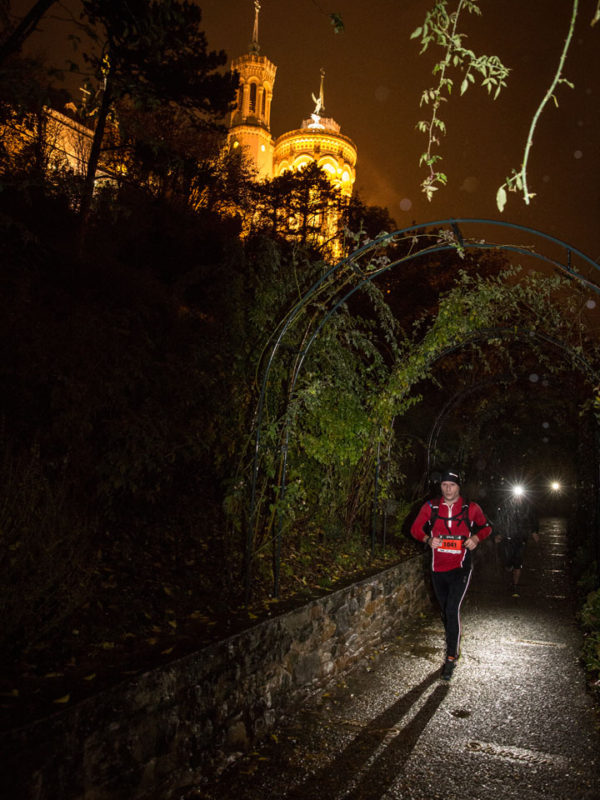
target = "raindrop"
x: 470, y: 184
x: 545, y: 424
x: 578, y: 154
x: 534, y: 377
x: 405, y: 204
x: 590, y: 304
x: 382, y: 93
x: 545, y: 440
x: 546, y: 178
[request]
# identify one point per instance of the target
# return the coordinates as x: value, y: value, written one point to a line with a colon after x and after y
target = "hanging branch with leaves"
x: 334, y: 18
x: 517, y: 181
x: 441, y: 27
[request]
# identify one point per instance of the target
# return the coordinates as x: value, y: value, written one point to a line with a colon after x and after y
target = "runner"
x: 517, y: 520
x: 452, y: 527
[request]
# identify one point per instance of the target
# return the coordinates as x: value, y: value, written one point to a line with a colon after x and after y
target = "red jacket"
x: 450, y: 526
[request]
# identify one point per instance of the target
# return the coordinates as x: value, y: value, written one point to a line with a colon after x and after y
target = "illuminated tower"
x: 249, y: 125
x: 319, y: 140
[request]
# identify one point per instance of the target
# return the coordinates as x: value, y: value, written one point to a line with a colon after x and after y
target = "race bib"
x: 451, y: 544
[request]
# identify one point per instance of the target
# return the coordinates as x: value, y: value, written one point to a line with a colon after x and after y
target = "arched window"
x: 253, y: 98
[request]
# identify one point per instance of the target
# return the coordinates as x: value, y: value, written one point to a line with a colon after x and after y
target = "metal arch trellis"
x: 455, y: 241
x: 524, y: 334
x: 453, y: 401
x: 482, y: 334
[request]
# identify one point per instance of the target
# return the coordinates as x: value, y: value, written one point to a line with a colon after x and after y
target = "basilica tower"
x: 249, y: 124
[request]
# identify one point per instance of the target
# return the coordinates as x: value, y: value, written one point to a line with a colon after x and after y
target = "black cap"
x: 450, y: 475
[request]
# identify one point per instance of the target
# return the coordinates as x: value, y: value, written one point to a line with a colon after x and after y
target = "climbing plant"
x: 347, y: 403
x: 489, y: 312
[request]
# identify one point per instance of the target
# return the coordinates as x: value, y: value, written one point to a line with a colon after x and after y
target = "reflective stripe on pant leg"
x: 453, y: 615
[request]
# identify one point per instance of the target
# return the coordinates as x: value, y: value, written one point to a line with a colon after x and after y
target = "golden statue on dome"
x: 255, y: 47
x: 319, y: 106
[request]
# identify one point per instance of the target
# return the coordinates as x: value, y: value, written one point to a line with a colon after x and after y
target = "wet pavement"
x: 515, y: 722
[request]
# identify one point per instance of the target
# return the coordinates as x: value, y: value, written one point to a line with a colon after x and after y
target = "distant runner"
x: 517, y: 520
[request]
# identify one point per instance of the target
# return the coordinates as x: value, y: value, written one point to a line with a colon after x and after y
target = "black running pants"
x: 450, y: 589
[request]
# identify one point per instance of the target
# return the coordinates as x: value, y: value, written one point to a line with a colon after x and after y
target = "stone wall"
x: 179, y: 723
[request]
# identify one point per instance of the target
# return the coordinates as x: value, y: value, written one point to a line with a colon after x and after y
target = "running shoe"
x: 448, y: 669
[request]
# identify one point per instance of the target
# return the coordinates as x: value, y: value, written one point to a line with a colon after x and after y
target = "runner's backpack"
x: 463, y: 516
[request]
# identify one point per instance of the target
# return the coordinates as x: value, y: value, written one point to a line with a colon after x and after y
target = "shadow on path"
x: 382, y: 744
x: 515, y: 722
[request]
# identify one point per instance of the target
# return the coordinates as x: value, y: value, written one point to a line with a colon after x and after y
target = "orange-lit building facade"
x: 317, y: 140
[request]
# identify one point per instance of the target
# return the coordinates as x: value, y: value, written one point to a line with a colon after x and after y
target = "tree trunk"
x: 14, y: 41
x: 94, y: 157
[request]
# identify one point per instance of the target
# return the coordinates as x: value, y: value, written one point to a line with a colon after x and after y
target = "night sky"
x: 374, y: 81
x: 373, y: 84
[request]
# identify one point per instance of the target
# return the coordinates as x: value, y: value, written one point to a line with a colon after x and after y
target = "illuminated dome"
x: 322, y: 143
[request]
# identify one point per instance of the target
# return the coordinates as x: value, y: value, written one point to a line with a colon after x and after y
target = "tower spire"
x: 249, y: 124
x: 254, y: 46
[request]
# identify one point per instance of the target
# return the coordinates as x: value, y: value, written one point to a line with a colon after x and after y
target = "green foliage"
x: 491, y: 311
x: 334, y: 18
x: 327, y: 422
x: 587, y: 571
x: 334, y: 430
x: 518, y: 181
x: 590, y: 622
x: 346, y: 396
x: 337, y: 22
x: 132, y: 370
x: 441, y: 27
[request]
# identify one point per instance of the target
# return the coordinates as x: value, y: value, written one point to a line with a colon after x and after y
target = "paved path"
x: 515, y: 723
